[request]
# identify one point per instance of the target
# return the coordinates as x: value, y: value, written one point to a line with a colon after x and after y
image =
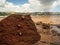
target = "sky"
x: 17, y: 2
x: 29, y: 5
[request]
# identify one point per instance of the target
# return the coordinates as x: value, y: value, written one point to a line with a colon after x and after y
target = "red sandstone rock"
x: 18, y: 30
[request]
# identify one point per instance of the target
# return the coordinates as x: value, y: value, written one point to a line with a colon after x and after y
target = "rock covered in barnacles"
x: 18, y: 29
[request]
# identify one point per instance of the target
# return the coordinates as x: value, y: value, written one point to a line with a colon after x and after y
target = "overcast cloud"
x: 31, y: 6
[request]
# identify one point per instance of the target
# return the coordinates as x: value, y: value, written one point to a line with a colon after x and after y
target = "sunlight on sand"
x: 54, y: 19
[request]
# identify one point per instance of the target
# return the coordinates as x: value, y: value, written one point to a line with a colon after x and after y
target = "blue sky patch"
x: 17, y: 2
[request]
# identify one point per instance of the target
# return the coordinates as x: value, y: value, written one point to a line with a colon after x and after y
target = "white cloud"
x: 58, y: 2
x: 55, y: 6
x: 35, y: 5
x: 32, y: 6
x: 2, y: 2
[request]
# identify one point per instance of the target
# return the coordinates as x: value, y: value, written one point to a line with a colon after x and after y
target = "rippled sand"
x: 54, y: 19
x: 47, y: 38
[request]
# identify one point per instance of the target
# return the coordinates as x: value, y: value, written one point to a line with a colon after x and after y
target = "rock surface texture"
x: 18, y: 30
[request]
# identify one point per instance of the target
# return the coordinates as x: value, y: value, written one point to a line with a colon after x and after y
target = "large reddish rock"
x: 18, y: 29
